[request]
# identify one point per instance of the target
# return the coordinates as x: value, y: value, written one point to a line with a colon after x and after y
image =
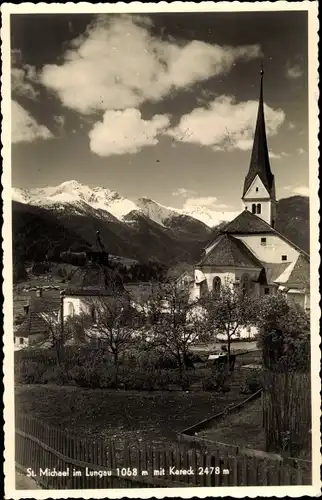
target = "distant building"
x: 34, y: 330
x: 249, y: 251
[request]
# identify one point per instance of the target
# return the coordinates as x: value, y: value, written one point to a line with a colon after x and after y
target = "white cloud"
x: 59, y: 120
x: 294, y: 72
x: 119, y: 64
x: 209, y: 202
x: 22, y: 82
x: 291, y: 125
x: 24, y: 127
x: 301, y: 190
x: 125, y: 132
x: 183, y: 192
x: 225, y: 124
x: 277, y: 156
x: 300, y: 151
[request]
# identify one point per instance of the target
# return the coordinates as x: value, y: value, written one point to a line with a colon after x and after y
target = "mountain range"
x: 54, y: 219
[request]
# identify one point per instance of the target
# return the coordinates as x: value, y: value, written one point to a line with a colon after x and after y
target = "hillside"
x: 293, y: 220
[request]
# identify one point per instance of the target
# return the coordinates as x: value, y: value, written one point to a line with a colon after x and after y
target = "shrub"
x: 53, y: 375
x: 216, y: 380
x: 29, y: 372
x: 253, y: 382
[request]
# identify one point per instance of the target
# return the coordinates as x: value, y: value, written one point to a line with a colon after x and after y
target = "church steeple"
x: 259, y: 172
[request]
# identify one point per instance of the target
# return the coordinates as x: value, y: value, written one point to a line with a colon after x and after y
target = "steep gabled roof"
x: 33, y: 323
x: 230, y: 251
x: 248, y: 223
x: 298, y: 273
x: 274, y: 270
x: 259, y: 163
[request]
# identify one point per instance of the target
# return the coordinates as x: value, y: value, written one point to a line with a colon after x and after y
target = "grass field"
x: 153, y: 416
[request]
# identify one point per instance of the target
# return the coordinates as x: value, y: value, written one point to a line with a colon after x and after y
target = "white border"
x: 137, y: 7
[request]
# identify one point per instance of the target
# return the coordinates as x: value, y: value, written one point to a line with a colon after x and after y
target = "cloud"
x: 291, y: 125
x: 209, y: 202
x: 125, y: 132
x: 299, y: 190
x: 22, y: 82
x: 24, y: 127
x: 277, y: 155
x: 300, y: 151
x: 119, y: 64
x: 183, y: 192
x: 224, y: 124
x: 294, y: 72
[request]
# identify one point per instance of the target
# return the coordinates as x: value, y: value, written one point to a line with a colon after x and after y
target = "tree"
x: 174, y: 324
x: 228, y: 311
x: 112, y: 322
x: 285, y: 342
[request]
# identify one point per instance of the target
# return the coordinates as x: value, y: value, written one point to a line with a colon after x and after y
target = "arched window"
x: 93, y: 314
x: 216, y: 284
x: 245, y: 284
x: 71, y: 309
x: 259, y: 208
x: 253, y: 208
x: 203, y: 288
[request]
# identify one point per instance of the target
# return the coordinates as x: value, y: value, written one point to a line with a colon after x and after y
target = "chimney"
x: 39, y: 292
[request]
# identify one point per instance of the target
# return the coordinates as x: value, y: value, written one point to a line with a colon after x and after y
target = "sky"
x: 161, y: 106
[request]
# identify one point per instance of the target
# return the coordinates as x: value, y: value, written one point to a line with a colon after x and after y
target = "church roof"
x: 246, y: 222
x: 274, y: 270
x: 230, y: 251
x: 259, y: 163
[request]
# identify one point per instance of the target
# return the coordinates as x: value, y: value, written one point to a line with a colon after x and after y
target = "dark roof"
x: 300, y: 275
x: 33, y: 323
x: 246, y: 222
x: 230, y: 251
x: 95, y: 279
x: 274, y: 270
x: 259, y: 163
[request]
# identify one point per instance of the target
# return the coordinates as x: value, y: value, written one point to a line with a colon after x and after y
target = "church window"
x: 71, y: 309
x: 93, y: 314
x: 203, y: 288
x: 253, y: 208
x: 216, y: 284
x: 266, y: 291
x: 258, y: 208
x: 263, y: 241
x: 284, y: 257
x: 245, y: 284
x: 256, y: 190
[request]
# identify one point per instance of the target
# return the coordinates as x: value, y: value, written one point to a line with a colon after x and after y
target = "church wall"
x: 265, y: 209
x: 272, y: 251
x: 257, y: 184
x: 80, y: 305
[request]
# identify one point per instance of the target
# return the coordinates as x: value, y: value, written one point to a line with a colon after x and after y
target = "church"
x: 249, y: 251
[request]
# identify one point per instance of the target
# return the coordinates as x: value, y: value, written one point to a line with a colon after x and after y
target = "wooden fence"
x: 84, y: 464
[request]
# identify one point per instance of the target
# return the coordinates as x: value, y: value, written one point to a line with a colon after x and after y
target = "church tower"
x: 259, y: 186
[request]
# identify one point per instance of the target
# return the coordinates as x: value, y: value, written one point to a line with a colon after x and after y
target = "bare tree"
x: 175, y: 324
x: 228, y: 311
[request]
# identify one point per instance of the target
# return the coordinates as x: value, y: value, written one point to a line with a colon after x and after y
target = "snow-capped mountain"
x: 79, y: 198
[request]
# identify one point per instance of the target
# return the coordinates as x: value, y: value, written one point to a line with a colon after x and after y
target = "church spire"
x: 259, y: 163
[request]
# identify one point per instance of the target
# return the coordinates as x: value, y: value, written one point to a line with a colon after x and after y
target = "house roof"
x: 297, y: 273
x: 229, y: 251
x: 259, y: 163
x: 33, y: 323
x: 273, y: 270
x: 95, y: 279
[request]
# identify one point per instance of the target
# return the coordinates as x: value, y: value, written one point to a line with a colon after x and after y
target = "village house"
x: 32, y: 328
x: 248, y: 251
